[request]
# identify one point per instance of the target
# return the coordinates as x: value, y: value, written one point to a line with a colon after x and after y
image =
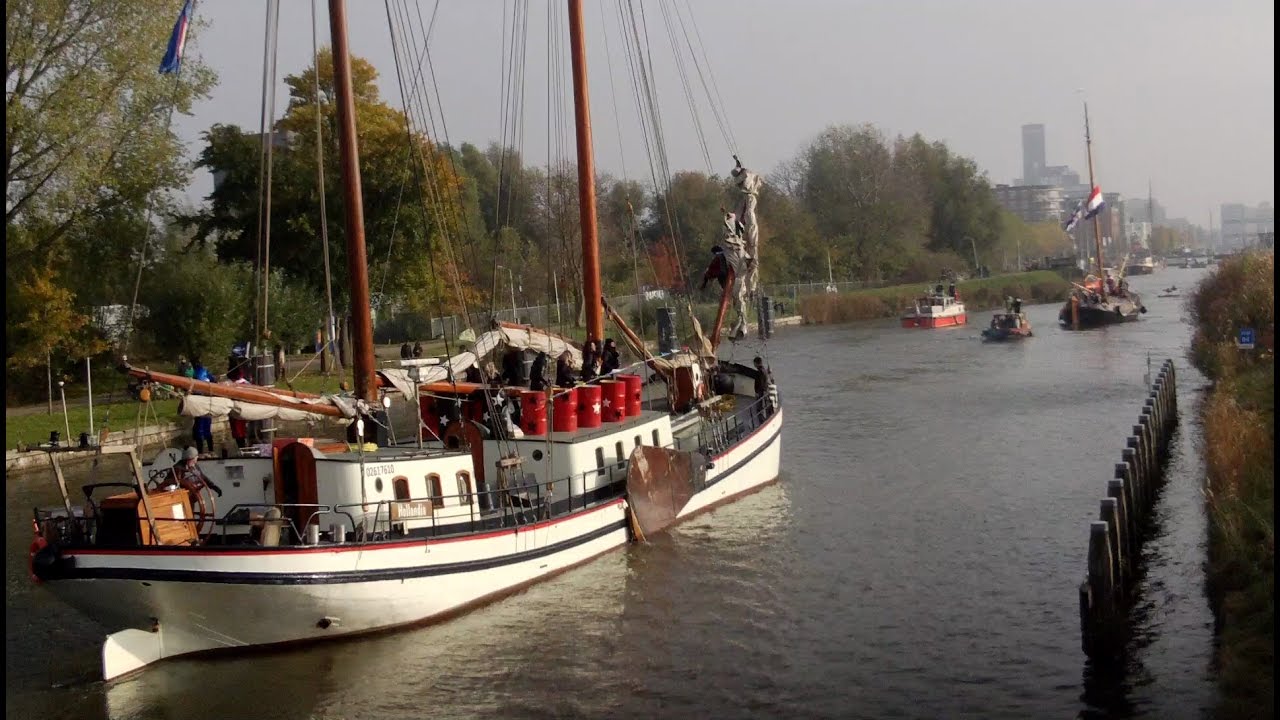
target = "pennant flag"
x: 1074, y: 218
x: 1096, y: 204
x: 172, y: 61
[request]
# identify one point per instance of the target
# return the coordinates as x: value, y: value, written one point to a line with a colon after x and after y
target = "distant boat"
x: 1098, y: 301
x: 1171, y: 291
x: 936, y: 309
x: 1144, y: 265
x: 1011, y: 324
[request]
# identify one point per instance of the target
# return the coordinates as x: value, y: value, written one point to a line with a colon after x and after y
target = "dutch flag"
x: 172, y: 61
x: 1096, y: 205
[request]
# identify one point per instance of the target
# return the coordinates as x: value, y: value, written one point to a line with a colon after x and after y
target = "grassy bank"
x: 1239, y: 435
x: 983, y: 294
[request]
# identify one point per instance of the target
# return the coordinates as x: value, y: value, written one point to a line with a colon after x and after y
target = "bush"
x: 1239, y: 293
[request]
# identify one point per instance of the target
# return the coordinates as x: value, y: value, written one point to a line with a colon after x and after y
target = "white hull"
x: 205, y: 599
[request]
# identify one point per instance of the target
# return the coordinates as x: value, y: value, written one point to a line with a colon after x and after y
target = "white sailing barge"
x: 309, y: 539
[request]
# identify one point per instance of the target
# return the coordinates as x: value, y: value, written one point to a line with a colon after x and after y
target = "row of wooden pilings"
x: 1115, y: 539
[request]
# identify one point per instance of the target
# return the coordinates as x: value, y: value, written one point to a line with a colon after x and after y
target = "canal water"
x: 920, y: 558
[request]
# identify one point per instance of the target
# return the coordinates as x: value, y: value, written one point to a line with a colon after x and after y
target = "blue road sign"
x: 1245, y: 341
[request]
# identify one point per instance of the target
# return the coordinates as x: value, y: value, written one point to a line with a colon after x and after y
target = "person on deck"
x: 718, y: 269
x: 538, y: 373
x: 611, y: 359
x: 564, y: 370
x: 188, y: 475
x: 748, y: 183
x: 202, y: 427
x: 590, y: 361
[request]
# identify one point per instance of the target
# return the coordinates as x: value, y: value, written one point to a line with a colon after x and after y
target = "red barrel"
x: 613, y: 403
x: 589, y: 406
x: 564, y: 410
x: 634, y: 384
x: 533, y: 412
x: 430, y: 415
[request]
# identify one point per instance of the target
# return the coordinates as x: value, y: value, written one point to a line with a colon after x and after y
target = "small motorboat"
x: 1171, y: 291
x: 936, y: 309
x: 1012, y: 324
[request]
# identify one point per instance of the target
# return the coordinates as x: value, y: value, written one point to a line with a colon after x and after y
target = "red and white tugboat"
x: 936, y: 309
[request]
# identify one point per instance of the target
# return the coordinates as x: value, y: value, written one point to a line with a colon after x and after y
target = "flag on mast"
x: 1096, y: 204
x: 1074, y: 217
x: 172, y: 61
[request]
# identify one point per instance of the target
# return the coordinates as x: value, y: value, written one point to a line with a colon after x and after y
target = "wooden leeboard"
x: 659, y: 485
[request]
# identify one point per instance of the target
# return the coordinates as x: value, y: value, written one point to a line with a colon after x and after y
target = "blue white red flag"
x: 1075, y: 217
x: 1096, y: 204
x: 172, y: 61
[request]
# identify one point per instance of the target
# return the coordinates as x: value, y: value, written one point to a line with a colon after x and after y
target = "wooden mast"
x: 591, y: 295
x: 357, y: 265
x: 1097, y: 231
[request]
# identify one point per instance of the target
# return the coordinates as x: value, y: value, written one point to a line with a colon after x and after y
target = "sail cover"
x: 504, y: 336
x: 221, y: 407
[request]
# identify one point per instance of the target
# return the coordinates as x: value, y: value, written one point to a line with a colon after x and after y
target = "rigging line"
x: 685, y: 85
x: 462, y: 222
x: 262, y: 168
x: 613, y: 95
x: 324, y: 217
x: 440, y: 197
x: 395, y: 53
x: 268, y: 141
x: 716, y: 103
x: 657, y: 149
x: 147, y: 221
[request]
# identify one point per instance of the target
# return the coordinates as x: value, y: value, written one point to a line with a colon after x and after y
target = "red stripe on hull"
x: 945, y: 321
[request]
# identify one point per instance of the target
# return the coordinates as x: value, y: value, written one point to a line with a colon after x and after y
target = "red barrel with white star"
x: 564, y: 410
x: 533, y: 412
x: 590, y: 406
x: 635, y: 385
x: 613, y: 400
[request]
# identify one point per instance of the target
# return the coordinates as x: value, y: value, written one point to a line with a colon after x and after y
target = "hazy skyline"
x: 1180, y: 92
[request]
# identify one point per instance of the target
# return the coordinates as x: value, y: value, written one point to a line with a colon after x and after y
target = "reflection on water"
x: 920, y: 558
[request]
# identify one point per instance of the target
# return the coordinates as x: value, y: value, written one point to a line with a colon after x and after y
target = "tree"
x: 410, y: 188
x: 87, y: 115
x: 197, y: 307
x: 869, y: 205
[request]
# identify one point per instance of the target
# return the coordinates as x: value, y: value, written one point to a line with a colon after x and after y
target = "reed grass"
x: 1238, y: 418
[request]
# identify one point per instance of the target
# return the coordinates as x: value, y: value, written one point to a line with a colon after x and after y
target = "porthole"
x: 377, y: 484
x: 537, y: 456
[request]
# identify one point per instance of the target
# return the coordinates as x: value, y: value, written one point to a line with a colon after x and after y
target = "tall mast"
x: 586, y: 177
x: 1097, y: 230
x: 366, y: 386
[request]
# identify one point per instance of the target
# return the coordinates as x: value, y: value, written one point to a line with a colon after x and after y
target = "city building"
x: 1032, y: 203
x: 1033, y: 163
x: 1242, y: 224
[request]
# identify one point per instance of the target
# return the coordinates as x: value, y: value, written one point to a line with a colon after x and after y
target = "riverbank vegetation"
x: 1041, y: 286
x: 1239, y: 439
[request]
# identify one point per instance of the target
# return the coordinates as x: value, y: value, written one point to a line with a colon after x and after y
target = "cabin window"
x: 656, y: 441
x: 600, y: 460
x: 622, y: 459
x: 401, y: 487
x: 638, y: 441
x: 464, y: 486
x: 434, y: 491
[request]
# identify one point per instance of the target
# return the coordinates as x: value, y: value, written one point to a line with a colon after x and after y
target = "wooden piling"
x: 1109, y: 513
x: 1115, y: 539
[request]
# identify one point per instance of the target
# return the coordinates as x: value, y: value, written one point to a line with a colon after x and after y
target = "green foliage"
x: 197, y: 308
x: 1239, y: 293
x: 87, y: 130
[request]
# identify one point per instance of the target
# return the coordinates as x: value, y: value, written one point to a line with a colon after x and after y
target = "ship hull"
x: 1091, y: 316
x: 182, y: 600
x: 929, y: 322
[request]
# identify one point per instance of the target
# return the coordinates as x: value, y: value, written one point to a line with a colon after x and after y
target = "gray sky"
x: 1180, y: 91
